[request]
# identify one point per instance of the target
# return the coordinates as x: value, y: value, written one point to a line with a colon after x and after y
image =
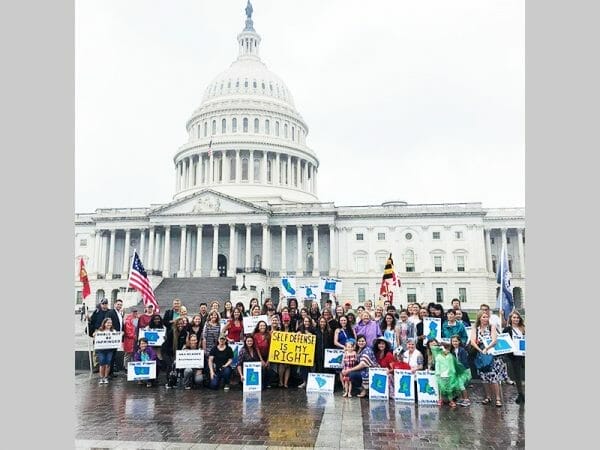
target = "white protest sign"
x: 104, y: 340
x: 503, y: 345
x: 519, y: 346
x: 252, y: 376
x: 432, y: 329
x: 378, y: 383
x: 309, y: 291
x: 251, y: 322
x: 427, y: 388
x: 330, y: 285
x: 288, y: 286
x: 333, y: 358
x: 155, y: 336
x: 189, y: 359
x: 320, y: 382
x: 141, y: 370
x: 404, y: 386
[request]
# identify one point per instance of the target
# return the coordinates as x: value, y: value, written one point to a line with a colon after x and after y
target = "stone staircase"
x: 193, y: 291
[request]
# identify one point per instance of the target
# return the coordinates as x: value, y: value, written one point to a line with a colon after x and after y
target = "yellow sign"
x: 292, y: 348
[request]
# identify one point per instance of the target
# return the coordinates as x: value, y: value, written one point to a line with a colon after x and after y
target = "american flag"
x: 138, y: 280
x: 210, y: 148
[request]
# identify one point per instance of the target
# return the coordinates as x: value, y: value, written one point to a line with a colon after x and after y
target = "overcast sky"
x: 421, y: 101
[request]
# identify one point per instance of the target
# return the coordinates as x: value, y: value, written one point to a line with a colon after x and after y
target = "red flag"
x: 83, y: 277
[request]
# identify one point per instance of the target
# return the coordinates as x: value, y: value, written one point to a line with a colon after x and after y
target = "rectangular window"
x: 276, y: 128
x: 381, y: 236
x: 79, y: 297
x: 362, y: 294
x: 234, y: 125
x: 462, y: 294
x: 437, y: 263
x: 381, y: 259
x: 458, y: 234
x: 256, y: 125
x: 360, y: 237
x: 411, y: 295
x: 361, y: 264
x: 439, y: 295
x: 436, y: 235
x: 460, y: 263
x: 83, y: 242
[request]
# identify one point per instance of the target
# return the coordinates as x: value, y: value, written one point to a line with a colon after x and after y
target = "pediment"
x: 207, y: 202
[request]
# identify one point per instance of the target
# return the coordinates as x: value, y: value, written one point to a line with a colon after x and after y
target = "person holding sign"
x: 343, y: 333
x: 104, y: 355
x: 248, y: 353
x: 359, y: 374
x: 194, y: 375
x: 324, y: 340
x: 516, y: 329
x: 262, y: 341
x: 285, y: 369
x: 483, y: 339
x: 219, y: 363
x: 306, y: 327
x: 145, y: 353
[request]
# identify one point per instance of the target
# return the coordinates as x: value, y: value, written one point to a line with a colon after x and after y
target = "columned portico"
x: 96, y: 259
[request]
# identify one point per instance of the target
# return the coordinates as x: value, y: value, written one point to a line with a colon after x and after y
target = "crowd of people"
x: 382, y: 336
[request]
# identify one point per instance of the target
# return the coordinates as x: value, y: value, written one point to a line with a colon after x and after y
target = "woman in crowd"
x: 156, y: 323
x: 241, y: 307
x: 252, y: 304
x: 383, y: 352
x: 210, y: 334
x: 414, y: 316
x: 195, y: 326
x: 452, y: 327
x: 227, y: 310
x: 214, y: 306
x: 235, y: 326
x: 378, y: 315
x: 351, y: 316
x: 339, y: 312
x: 146, y: 353
x: 285, y: 369
x: 303, y: 314
x: 268, y: 306
x: 254, y: 311
x: 324, y: 340
x: 388, y: 330
x: 192, y: 376
x: 412, y: 356
x: 262, y: 342
x: 248, y: 353
x: 483, y: 338
x: 359, y: 374
x: 405, y: 329
x: 314, y: 311
x: 175, y: 340
x: 104, y: 355
x: 219, y: 363
x: 343, y: 333
x: 305, y: 328
x: 129, y: 337
x: 429, y: 358
x: 516, y: 329
x: 420, y: 333
x: 331, y: 322
x: 368, y: 328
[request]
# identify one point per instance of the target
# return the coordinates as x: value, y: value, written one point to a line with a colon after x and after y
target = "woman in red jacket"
x: 129, y: 338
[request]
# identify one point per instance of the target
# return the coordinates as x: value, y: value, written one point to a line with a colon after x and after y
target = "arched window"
x: 409, y: 260
x: 256, y: 125
x: 234, y: 125
x: 244, y: 169
x: 214, y: 127
x: 245, y: 124
x: 198, y: 131
x: 267, y: 126
x: 285, y: 131
x: 360, y: 261
x: 269, y: 171
x: 256, y: 170
x: 277, y: 129
x: 293, y: 134
x: 223, y: 126
x: 205, y: 128
x: 232, y: 169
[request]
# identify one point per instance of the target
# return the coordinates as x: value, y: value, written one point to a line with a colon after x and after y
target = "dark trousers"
x: 222, y: 374
x: 517, y: 363
x: 356, y: 381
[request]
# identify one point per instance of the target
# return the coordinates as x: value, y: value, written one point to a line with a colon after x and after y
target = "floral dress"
x: 349, y: 362
x: 498, y: 372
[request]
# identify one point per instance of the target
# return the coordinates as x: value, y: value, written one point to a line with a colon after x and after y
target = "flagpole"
x: 87, y: 332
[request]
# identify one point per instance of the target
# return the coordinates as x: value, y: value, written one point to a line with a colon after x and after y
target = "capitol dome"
x: 246, y: 139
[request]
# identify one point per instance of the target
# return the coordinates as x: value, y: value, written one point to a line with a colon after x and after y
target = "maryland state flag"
x: 83, y: 277
x: 389, y: 279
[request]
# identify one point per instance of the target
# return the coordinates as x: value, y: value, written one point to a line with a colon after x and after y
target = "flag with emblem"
x: 83, y: 277
x: 505, y: 301
x: 389, y: 279
x: 138, y: 280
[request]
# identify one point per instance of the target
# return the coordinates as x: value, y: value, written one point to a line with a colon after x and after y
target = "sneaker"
x: 187, y: 388
x: 226, y: 388
x: 148, y: 384
x: 105, y: 380
x: 465, y: 403
x: 101, y: 381
x: 302, y: 386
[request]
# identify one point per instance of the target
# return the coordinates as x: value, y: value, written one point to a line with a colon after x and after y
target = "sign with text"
x: 292, y: 348
x: 141, y: 370
x: 330, y: 285
x: 288, y: 286
x: 333, y: 358
x: 309, y: 292
x: 432, y: 329
x: 378, y: 384
x: 252, y: 376
x: 404, y: 386
x: 427, y: 388
x: 155, y: 336
x: 519, y: 346
x: 251, y: 322
x: 320, y: 382
x: 189, y: 359
x: 104, y: 340
x: 503, y: 345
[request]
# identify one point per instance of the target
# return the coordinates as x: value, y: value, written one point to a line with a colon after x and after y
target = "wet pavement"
x: 127, y: 415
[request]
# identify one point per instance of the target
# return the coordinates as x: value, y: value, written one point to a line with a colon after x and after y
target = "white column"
x: 277, y: 171
x: 283, y: 251
x: 488, y: 250
x: 251, y: 167
x: 332, y: 261
x: 111, y: 254
x: 176, y: 177
x: 298, y: 183
x: 211, y: 168
x: 167, y: 254
x: 225, y: 164
x: 316, y: 271
x: 151, y: 265
x: 126, y: 254
x: 158, y: 248
x: 96, y: 258
x: 521, y: 252
x: 198, y: 168
x: 315, y: 181
x: 198, y: 269
x: 264, y: 168
x: 503, y: 241
x: 265, y: 247
x: 238, y: 166
x: 143, y: 245
x: 309, y: 176
x: 232, y: 252
x: 188, y: 253
x: 248, y: 245
x: 183, y: 244
x: 299, y: 265
x: 214, y: 272
x: 289, y: 171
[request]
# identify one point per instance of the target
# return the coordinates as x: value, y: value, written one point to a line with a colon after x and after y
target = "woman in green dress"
x: 450, y: 374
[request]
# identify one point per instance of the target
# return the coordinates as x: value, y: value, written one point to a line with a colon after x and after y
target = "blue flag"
x: 505, y: 301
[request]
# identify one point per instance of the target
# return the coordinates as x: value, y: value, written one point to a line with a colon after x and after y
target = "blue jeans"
x: 356, y: 380
x: 221, y: 374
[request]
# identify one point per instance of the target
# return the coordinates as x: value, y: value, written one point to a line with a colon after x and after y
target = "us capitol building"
x: 246, y: 210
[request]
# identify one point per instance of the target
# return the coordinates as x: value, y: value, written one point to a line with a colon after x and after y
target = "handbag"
x: 484, y: 362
